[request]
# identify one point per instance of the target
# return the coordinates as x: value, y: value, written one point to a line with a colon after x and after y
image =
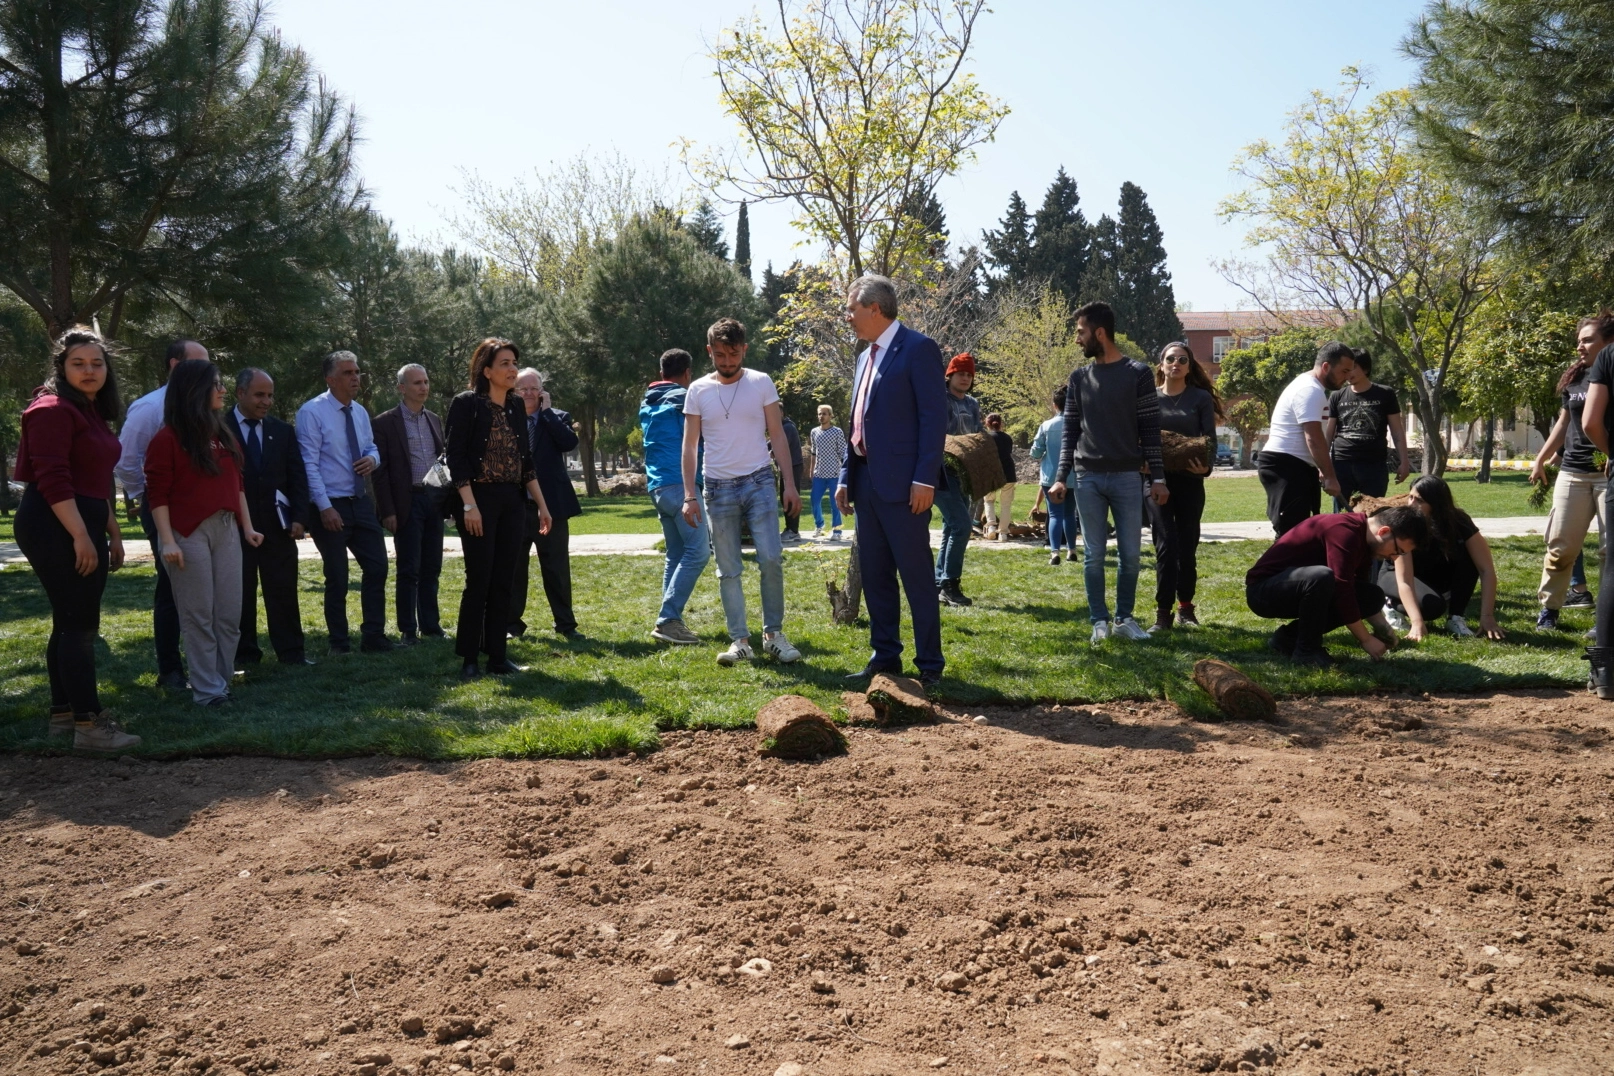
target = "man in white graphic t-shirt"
x: 1294, y: 466
x: 737, y: 412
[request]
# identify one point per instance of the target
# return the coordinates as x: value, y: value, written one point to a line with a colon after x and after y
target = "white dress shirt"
x: 140, y: 424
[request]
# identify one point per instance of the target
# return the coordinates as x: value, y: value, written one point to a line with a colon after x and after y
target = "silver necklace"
x: 727, y: 407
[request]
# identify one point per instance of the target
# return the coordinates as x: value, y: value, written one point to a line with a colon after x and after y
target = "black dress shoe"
x: 929, y: 680
x: 433, y: 633
x: 517, y: 631
x: 339, y: 648
x: 174, y: 681
x: 299, y: 660
x: 871, y: 669
x: 408, y: 638
x: 571, y: 634
x: 376, y: 644
x: 504, y: 668
x: 469, y: 671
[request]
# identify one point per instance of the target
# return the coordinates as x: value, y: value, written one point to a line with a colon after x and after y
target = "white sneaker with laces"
x: 1101, y: 631
x: 777, y: 646
x: 1395, y: 619
x: 1458, y: 627
x: 819, y: 533
x: 739, y: 650
x: 1128, y: 628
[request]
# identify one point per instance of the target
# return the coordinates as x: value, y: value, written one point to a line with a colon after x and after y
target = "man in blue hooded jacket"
x: 689, y: 546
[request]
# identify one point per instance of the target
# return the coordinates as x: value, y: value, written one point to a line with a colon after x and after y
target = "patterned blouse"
x: 502, y: 460
x: 829, y: 451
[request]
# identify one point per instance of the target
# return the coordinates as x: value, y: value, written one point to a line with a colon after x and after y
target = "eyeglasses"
x: 1174, y: 360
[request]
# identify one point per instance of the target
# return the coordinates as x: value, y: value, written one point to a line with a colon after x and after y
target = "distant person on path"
x: 1188, y: 406
x: 689, y: 545
x: 1440, y: 576
x: 829, y: 456
x: 1578, y: 492
x: 892, y: 474
x: 550, y: 436
x: 1321, y: 575
x: 1359, y: 415
x: 1000, y: 502
x: 1297, y: 450
x: 277, y: 498
x: 1045, y: 449
x: 490, y: 462
x: 1112, y: 431
x: 68, y: 529
x: 199, y: 502
x: 140, y: 425
x: 963, y: 416
x: 410, y: 439
x: 737, y: 412
x: 1597, y: 419
x: 792, y: 531
x: 339, y: 453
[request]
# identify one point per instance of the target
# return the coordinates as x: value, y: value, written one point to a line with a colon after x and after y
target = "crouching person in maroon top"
x: 67, y: 529
x: 1319, y: 576
x: 199, y: 503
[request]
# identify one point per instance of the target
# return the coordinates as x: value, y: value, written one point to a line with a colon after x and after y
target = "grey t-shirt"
x: 1112, y: 420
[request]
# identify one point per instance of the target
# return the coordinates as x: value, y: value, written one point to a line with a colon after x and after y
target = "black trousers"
x: 164, y: 613
x: 1451, y: 583
x: 1306, y: 596
x: 75, y: 600
x: 490, y: 569
x: 554, y: 567
x: 275, y: 563
x: 361, y: 533
x: 1605, y: 591
x: 1371, y: 477
x: 792, y: 522
x: 1175, y: 528
x: 1293, y: 491
x: 419, y: 546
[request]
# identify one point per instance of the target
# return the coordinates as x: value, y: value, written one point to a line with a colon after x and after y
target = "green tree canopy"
x: 1265, y: 368
x: 1147, y: 309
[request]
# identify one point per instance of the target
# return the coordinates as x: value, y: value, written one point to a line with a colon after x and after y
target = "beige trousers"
x: 1577, y: 499
x: 1000, y: 503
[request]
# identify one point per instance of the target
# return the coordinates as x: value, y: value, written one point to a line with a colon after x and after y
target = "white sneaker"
x: 739, y: 650
x: 1127, y: 628
x: 1101, y: 631
x: 836, y: 535
x: 1458, y: 627
x: 1395, y: 619
x: 819, y: 533
x: 777, y: 646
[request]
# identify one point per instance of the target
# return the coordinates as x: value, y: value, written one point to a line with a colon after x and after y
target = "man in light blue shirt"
x: 333, y: 431
x: 140, y: 424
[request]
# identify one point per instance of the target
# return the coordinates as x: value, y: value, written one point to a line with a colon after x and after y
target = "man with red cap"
x: 963, y: 416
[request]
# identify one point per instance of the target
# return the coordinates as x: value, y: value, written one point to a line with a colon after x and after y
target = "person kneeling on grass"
x: 1320, y: 574
x: 1440, y: 577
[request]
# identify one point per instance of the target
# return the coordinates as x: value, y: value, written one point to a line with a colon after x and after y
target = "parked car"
x: 1225, y: 456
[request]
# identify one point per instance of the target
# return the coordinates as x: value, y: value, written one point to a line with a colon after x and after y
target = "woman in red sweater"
x: 194, y: 488
x: 67, y: 529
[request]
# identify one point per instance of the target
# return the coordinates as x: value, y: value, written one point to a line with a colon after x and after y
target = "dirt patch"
x: 1376, y: 885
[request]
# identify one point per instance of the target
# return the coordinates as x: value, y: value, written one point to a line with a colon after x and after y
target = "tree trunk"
x: 5, y: 481
x: 844, y: 602
x: 1487, y: 449
x: 585, y: 450
x: 1430, y: 418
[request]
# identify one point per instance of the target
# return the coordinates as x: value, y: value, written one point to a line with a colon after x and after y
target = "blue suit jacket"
x: 905, y: 422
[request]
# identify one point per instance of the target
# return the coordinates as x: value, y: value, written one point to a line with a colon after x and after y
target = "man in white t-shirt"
x: 1294, y: 466
x: 737, y: 412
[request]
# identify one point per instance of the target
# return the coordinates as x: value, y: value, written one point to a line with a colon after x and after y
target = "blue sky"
x: 1161, y: 93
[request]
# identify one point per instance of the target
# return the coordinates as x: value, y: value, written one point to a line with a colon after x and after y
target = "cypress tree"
x: 742, y: 242
x: 1148, y: 306
x: 1008, y: 250
x: 1061, y: 239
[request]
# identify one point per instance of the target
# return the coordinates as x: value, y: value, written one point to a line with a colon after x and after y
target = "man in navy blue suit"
x: 892, y: 471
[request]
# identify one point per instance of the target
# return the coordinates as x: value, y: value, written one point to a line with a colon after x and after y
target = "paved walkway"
x: 644, y: 545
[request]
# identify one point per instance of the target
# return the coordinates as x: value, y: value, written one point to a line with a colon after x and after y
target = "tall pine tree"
x: 742, y: 242
x: 707, y: 229
x: 1061, y: 238
x: 1101, y: 282
x: 1008, y: 250
x: 1147, y: 311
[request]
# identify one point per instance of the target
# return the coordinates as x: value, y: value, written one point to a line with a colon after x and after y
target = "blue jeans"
x: 955, y: 513
x: 1062, y: 529
x: 688, y: 550
x: 823, y: 487
x: 750, y: 499
x: 1120, y: 496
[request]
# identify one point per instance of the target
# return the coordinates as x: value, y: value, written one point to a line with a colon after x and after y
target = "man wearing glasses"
x: 1319, y: 575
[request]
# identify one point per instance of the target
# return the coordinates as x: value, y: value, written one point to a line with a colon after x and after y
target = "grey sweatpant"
x: 208, y: 593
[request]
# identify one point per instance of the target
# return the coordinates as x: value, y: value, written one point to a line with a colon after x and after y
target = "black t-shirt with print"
x: 1578, y: 448
x: 1602, y: 373
x: 1361, y: 419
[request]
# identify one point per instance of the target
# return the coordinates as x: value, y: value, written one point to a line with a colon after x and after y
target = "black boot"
x: 1601, y: 680
x: 955, y: 596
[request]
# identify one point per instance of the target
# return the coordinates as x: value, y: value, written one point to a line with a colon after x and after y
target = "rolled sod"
x: 794, y: 727
x: 974, y: 458
x: 1236, y: 695
x: 1180, y: 451
x: 899, y: 700
x: 858, y: 709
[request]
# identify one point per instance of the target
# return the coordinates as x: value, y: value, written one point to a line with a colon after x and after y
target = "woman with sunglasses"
x: 1189, y: 406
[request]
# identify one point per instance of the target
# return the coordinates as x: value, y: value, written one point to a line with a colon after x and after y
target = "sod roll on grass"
x: 1236, y: 695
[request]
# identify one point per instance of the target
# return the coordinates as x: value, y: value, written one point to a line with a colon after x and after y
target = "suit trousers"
x: 419, y: 548
x: 275, y: 563
x: 490, y: 570
x: 554, y: 568
x: 164, y: 614
x: 894, y: 543
x: 360, y: 533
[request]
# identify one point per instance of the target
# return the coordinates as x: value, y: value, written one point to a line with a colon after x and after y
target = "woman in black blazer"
x: 490, y: 462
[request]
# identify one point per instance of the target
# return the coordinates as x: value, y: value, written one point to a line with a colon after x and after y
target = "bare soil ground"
x: 1378, y: 885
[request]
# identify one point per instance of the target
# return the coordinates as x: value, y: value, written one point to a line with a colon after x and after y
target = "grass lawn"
x: 1024, y: 640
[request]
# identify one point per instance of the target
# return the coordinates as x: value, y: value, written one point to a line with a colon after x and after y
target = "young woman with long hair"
x: 67, y: 528
x: 1440, y: 576
x: 490, y: 461
x: 1188, y: 406
x: 199, y: 503
x: 1577, y: 494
